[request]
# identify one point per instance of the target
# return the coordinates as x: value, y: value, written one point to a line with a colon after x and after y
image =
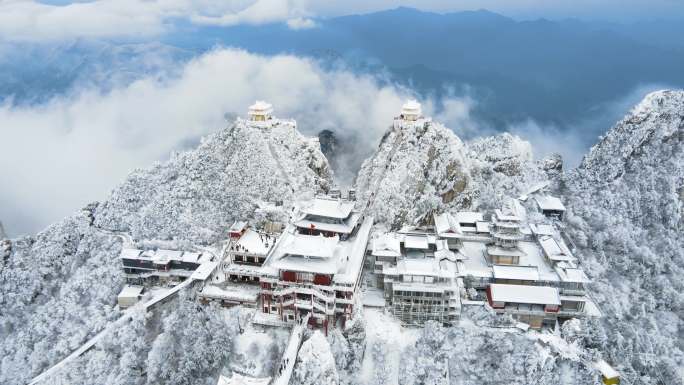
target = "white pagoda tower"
x: 260, y: 111
x: 411, y: 111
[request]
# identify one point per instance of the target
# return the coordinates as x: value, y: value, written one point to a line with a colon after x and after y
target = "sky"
x: 73, y: 148
x: 49, y: 20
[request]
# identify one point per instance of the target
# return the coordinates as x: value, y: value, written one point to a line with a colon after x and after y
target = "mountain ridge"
x: 622, y: 216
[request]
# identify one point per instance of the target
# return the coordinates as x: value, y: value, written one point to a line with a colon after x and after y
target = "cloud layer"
x: 56, y: 157
x: 31, y: 20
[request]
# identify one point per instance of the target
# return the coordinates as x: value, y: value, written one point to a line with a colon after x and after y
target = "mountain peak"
x: 652, y: 127
x: 424, y: 167
x: 196, y: 195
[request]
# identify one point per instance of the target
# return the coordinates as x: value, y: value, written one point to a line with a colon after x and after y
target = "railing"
x: 303, y: 304
x: 303, y: 290
x: 539, y: 313
x: 571, y: 313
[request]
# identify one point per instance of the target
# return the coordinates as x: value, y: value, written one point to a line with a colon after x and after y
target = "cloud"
x: 35, y: 21
x: 31, y: 20
x: 56, y: 157
x: 254, y: 12
x: 574, y: 141
x: 547, y: 140
x: 301, y: 23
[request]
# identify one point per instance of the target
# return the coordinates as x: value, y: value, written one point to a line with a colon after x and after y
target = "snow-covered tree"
x: 315, y: 363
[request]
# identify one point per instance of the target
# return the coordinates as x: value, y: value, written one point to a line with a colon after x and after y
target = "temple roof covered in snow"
x: 254, y: 242
x: 319, y: 254
x: 523, y: 273
x: 131, y: 291
x: 542, y: 229
x: 445, y: 224
x: 386, y: 245
x: 411, y: 107
x: 163, y: 256
x: 572, y: 275
x: 418, y: 242
x: 554, y: 250
x: 329, y: 208
x: 549, y: 203
x: 311, y: 246
x: 542, y: 295
x: 469, y: 217
x: 260, y: 107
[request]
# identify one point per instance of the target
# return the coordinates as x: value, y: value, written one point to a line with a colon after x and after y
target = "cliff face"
x: 425, y: 167
x: 417, y: 168
x: 197, y: 194
x: 625, y: 213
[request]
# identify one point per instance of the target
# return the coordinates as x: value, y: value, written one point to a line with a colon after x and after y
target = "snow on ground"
x: 257, y: 349
x: 373, y: 297
x: 558, y: 344
x: 385, y: 340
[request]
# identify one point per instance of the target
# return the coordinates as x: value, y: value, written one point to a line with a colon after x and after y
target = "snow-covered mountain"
x: 419, y: 166
x: 625, y: 213
x: 196, y: 195
x: 58, y: 288
x: 626, y: 203
x: 424, y: 167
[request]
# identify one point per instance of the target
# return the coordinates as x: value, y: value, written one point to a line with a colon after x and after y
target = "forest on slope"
x: 625, y: 203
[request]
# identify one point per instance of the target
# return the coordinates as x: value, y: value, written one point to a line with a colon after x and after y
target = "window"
x: 305, y: 276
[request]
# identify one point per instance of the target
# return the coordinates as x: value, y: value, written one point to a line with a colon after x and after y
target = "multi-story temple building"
x: 315, y: 266
x: 419, y: 276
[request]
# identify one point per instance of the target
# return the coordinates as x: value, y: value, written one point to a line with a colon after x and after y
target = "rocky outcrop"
x: 418, y: 168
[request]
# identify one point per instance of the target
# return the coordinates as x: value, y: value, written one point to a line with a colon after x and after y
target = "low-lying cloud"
x: 40, y: 22
x: 56, y: 157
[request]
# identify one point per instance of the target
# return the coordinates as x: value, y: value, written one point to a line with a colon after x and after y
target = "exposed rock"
x: 418, y: 168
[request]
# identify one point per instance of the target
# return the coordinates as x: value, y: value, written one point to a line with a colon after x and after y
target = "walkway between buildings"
x: 127, y: 315
x: 287, y: 362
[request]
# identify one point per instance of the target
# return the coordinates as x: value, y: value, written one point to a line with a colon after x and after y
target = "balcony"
x: 564, y: 312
